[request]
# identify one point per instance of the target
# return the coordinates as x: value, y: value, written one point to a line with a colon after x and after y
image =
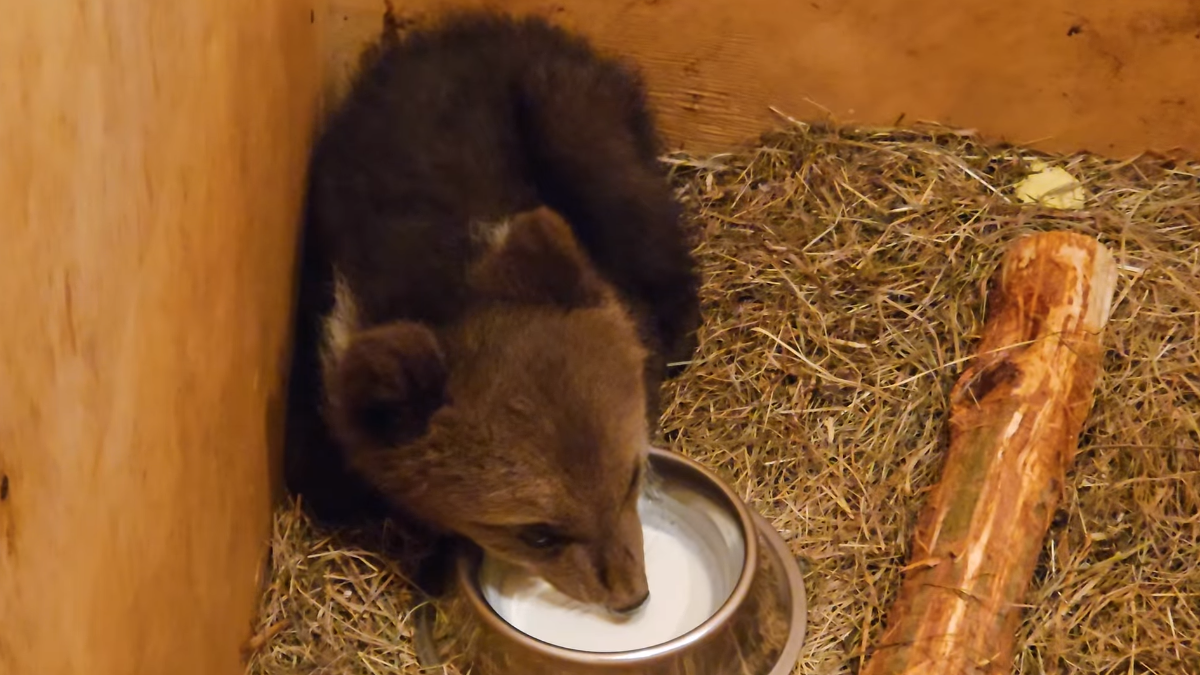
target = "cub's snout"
x: 609, y: 572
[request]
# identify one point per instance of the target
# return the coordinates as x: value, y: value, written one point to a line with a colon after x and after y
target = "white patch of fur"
x: 339, y: 325
x: 490, y: 235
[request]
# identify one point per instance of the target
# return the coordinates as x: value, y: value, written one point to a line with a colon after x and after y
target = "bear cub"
x: 494, y: 279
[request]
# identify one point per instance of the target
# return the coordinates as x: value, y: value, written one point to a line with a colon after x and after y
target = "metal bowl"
x: 758, y: 630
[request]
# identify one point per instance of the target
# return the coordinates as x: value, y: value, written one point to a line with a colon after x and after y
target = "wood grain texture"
x: 1015, y: 419
x: 150, y: 184
x: 1110, y: 76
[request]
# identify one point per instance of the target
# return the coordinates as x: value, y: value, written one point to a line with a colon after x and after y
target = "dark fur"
x: 481, y: 369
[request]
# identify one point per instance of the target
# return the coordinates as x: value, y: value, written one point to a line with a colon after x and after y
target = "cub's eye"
x: 542, y: 538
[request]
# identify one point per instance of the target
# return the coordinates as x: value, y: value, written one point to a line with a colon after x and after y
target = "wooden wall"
x: 1113, y: 76
x: 151, y: 162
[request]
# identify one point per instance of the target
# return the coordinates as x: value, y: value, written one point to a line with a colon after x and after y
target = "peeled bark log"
x: 1015, y: 419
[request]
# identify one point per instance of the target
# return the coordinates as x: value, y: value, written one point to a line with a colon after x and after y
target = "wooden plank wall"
x: 1113, y: 76
x: 151, y: 164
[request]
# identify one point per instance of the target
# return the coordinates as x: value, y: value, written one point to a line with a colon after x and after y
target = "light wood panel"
x: 1112, y: 76
x: 151, y: 165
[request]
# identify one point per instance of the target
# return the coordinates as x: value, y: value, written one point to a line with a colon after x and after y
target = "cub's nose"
x: 630, y: 609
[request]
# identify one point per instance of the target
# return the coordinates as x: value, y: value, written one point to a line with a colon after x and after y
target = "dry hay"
x: 844, y: 275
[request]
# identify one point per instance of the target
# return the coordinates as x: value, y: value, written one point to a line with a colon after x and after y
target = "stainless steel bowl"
x: 759, y: 629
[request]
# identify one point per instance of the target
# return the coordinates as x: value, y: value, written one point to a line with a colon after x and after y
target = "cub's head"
x: 523, y: 427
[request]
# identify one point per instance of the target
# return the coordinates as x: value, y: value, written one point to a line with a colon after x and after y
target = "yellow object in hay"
x: 1051, y: 186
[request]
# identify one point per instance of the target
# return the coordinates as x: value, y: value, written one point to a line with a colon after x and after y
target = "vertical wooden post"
x: 1015, y: 419
x: 152, y: 157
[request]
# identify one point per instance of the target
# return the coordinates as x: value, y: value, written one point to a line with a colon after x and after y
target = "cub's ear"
x: 388, y: 383
x: 535, y: 258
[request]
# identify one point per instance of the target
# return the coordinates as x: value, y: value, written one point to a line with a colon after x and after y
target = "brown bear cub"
x: 494, y: 280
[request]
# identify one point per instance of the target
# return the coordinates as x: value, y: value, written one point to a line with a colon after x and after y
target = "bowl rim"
x: 793, y: 578
x: 469, y: 582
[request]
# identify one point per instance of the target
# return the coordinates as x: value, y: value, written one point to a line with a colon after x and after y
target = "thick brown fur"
x: 493, y: 282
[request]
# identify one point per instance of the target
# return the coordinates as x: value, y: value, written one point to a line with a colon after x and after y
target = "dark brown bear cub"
x: 494, y: 280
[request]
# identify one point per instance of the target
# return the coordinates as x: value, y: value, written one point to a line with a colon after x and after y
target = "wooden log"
x: 1015, y: 418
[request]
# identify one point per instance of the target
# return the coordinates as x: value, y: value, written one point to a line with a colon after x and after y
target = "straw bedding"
x: 845, y: 275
